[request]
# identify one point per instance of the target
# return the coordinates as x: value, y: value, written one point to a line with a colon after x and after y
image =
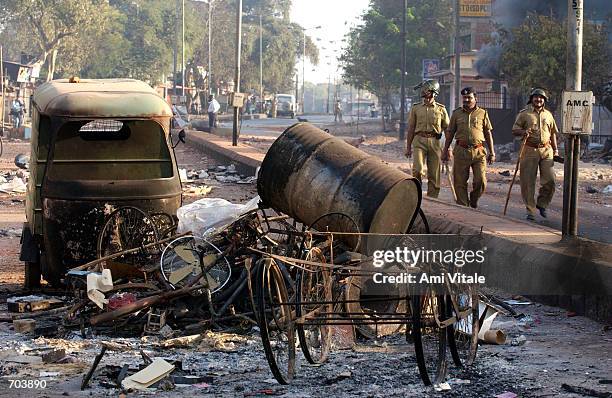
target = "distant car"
x: 286, y: 105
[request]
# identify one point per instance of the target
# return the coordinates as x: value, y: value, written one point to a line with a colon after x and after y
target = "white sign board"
x: 577, y: 109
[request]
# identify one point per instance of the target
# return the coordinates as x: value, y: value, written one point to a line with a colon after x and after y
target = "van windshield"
x: 110, y: 150
x: 284, y: 98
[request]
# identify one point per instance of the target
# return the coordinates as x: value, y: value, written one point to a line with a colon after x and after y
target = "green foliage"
x: 138, y: 38
x: 372, y: 58
x: 534, y: 55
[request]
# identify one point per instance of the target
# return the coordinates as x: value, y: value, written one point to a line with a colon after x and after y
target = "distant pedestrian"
x: 213, y: 109
x: 471, y: 127
x: 338, y: 111
x: 538, y: 125
x: 17, y: 112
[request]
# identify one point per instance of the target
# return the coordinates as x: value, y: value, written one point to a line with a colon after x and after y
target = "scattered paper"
x: 149, y: 375
x: 98, y: 283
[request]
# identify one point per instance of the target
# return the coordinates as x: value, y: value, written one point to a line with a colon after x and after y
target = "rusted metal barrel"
x: 308, y: 173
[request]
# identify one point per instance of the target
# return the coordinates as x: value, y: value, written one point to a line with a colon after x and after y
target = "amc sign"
x: 577, y: 114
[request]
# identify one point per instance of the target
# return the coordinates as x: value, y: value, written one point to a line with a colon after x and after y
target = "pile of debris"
x: 598, y: 153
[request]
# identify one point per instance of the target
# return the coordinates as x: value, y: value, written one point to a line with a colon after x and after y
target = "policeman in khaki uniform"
x: 426, y: 122
x: 538, y: 124
x: 471, y: 127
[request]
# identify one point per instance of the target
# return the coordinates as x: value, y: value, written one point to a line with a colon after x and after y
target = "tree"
x: 534, y: 55
x: 53, y: 25
x: 372, y: 57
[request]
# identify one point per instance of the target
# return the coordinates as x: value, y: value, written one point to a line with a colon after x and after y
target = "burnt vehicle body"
x: 96, y: 145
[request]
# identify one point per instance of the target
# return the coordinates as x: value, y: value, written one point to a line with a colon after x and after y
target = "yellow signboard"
x: 475, y: 8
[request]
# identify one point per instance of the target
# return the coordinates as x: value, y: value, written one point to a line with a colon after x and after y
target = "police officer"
x: 538, y: 124
x: 426, y: 122
x: 470, y: 127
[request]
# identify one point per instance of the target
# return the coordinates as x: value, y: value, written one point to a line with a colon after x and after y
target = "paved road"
x: 274, y: 127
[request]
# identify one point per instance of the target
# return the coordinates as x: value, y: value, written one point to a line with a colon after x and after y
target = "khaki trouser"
x: 464, y: 159
x: 534, y: 158
x: 427, y: 151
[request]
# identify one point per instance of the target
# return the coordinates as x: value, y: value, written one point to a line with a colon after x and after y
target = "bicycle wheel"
x: 128, y: 228
x: 276, y: 322
x: 428, y: 337
x: 463, y: 333
x: 314, y: 286
x: 189, y: 257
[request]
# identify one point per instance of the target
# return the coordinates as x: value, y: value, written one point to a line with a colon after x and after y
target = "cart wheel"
x: 276, y: 231
x: 463, y: 334
x: 276, y: 322
x: 339, y: 222
x: 314, y: 285
x: 128, y: 228
x: 420, y: 225
x: 428, y: 337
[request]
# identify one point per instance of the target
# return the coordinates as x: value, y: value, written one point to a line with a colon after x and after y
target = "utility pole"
x: 237, y: 70
x: 328, y: 89
x: 209, y: 47
x: 261, y: 97
x: 183, y: 49
x: 303, y: 66
x: 402, y: 123
x: 175, y: 50
x: 457, y: 57
x: 573, y: 82
x: 2, y: 84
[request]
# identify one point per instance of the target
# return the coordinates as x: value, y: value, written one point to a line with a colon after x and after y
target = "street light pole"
x: 573, y: 82
x: 183, y: 48
x: 457, y: 57
x: 261, y: 98
x: 237, y: 70
x: 209, y: 46
x: 303, y: 66
x: 402, y: 124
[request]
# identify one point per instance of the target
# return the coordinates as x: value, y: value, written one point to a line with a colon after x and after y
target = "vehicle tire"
x: 463, y: 334
x: 429, y: 339
x: 314, y: 286
x: 275, y: 322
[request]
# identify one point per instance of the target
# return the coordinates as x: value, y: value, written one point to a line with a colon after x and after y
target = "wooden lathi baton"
x: 518, y: 162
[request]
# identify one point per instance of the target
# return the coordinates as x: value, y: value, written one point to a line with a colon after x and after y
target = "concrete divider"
x: 528, y: 259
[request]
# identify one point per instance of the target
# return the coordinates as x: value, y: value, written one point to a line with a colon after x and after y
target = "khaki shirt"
x: 469, y: 126
x: 541, y: 123
x: 428, y: 118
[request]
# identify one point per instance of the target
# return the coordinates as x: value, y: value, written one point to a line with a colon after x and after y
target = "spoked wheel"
x: 276, y: 322
x: 277, y: 231
x: 343, y: 226
x: 314, y: 286
x: 463, y: 333
x: 429, y: 338
x: 188, y: 257
x: 129, y: 228
x: 165, y: 224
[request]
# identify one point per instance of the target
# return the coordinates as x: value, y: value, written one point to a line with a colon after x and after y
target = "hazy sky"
x: 335, y: 18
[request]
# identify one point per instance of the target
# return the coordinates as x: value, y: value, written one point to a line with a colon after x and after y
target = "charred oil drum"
x: 308, y: 173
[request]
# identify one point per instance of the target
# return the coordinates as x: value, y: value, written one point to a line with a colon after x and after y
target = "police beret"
x: 468, y: 91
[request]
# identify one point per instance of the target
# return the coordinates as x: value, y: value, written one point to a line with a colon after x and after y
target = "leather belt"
x: 428, y: 134
x: 530, y: 144
x: 465, y: 145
